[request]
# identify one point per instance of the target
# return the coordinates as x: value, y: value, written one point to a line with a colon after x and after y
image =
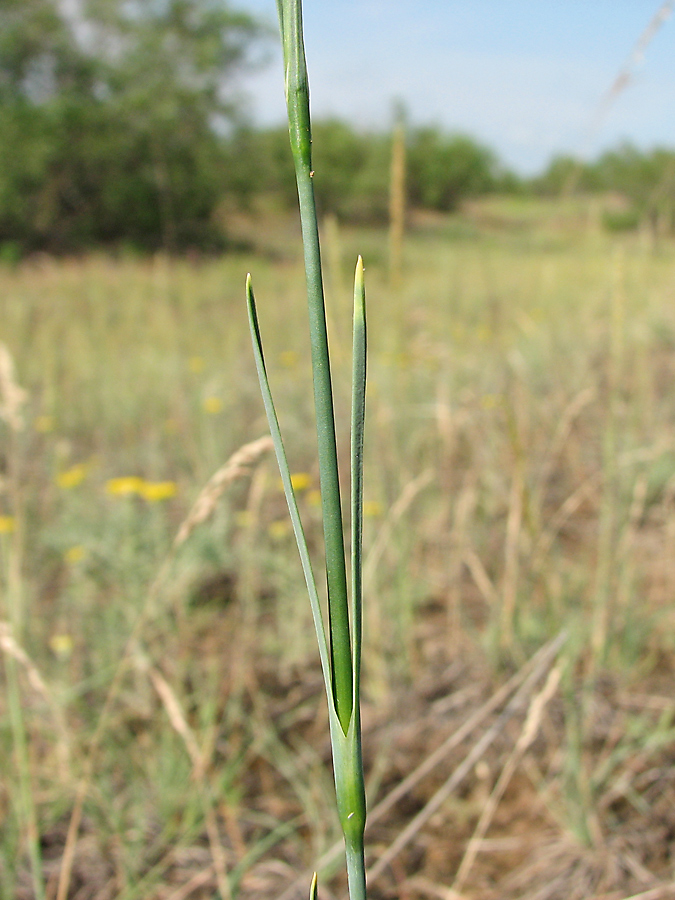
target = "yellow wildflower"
x: 490, y: 401
x: 44, y: 424
x: 154, y: 491
x: 279, y: 530
x: 124, y: 486
x: 7, y: 524
x: 243, y: 518
x: 289, y: 359
x: 196, y: 364
x: 72, y: 477
x: 75, y: 554
x: 372, y: 509
x: 213, y: 405
x: 300, y: 481
x: 314, y: 497
x: 61, y: 645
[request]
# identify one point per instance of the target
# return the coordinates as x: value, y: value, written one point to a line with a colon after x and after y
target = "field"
x: 163, y: 731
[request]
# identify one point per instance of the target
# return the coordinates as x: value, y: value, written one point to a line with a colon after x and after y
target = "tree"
x: 646, y: 180
x: 119, y: 110
x: 444, y: 169
x: 563, y: 174
x: 351, y: 169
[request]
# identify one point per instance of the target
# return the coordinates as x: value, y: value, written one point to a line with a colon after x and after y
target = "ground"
x: 163, y: 698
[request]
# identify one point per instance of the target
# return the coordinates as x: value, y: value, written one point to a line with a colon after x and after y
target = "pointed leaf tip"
x: 313, y: 888
x: 250, y: 299
x: 359, y: 288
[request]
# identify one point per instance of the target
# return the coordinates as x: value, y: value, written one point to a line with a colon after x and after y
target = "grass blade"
x: 359, y: 350
x: 282, y: 461
x: 313, y: 889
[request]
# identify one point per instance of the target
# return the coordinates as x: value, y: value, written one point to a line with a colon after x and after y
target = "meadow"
x: 163, y: 731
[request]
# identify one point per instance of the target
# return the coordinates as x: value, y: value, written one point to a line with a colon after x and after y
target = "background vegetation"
x: 161, y: 735
x: 120, y: 125
x: 520, y: 467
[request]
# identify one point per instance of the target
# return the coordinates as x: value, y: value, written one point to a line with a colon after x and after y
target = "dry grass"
x: 520, y: 481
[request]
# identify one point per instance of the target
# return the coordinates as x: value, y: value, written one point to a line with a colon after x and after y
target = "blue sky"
x: 526, y: 77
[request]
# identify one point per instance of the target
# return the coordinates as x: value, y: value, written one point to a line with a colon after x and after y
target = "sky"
x: 528, y: 78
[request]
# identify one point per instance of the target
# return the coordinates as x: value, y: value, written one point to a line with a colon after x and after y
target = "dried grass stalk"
x: 10, y: 647
x: 180, y: 724
x: 237, y: 466
x: 527, y: 736
x: 12, y: 397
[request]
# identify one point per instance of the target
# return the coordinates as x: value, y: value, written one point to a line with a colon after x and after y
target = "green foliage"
x: 340, y: 649
x: 562, y: 173
x: 351, y: 170
x: 446, y: 169
x: 119, y: 126
x: 258, y: 162
x: 116, y: 114
x: 620, y: 220
x: 645, y: 181
x: 515, y: 333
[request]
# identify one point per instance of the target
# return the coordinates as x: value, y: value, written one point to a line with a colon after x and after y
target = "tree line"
x: 120, y: 123
x: 643, y: 179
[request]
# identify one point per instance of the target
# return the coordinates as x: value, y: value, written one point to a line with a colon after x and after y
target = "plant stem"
x: 297, y: 98
x: 356, y: 871
x: 343, y: 656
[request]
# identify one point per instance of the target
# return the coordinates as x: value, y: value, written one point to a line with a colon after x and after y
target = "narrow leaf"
x: 313, y: 889
x: 282, y: 461
x: 359, y: 350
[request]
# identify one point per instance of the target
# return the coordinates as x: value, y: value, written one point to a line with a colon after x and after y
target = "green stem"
x: 356, y: 871
x: 344, y: 653
x: 297, y: 96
